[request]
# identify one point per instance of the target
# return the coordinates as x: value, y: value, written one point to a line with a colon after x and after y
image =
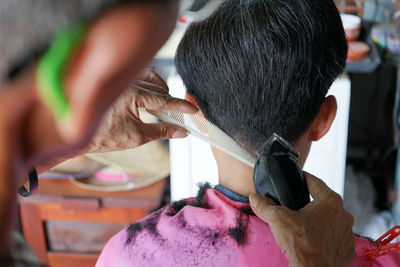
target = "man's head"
x: 262, y: 66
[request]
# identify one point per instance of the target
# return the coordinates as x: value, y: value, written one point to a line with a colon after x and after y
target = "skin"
x: 106, y: 74
x: 124, y: 38
x: 110, y: 57
x: 297, y: 233
x: 17, y: 146
x: 328, y: 241
x: 122, y: 127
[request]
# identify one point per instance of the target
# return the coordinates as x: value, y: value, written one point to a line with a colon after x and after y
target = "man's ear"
x: 324, y: 120
x: 190, y: 98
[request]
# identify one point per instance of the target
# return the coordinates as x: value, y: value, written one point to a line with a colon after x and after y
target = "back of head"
x: 262, y: 66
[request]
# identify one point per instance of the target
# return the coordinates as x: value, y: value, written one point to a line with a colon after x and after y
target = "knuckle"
x: 165, y: 132
x: 336, y: 199
x: 316, y: 182
x: 163, y: 101
x: 350, y: 218
x: 141, y: 138
x: 171, y: 102
x: 139, y: 101
x: 273, y: 212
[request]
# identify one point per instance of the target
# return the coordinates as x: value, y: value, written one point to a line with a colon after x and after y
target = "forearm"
x: 40, y: 142
x: 7, y: 195
x: 10, y: 163
x: 45, y: 166
x: 45, y: 153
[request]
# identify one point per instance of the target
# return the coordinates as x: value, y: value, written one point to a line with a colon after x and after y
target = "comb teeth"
x: 206, y: 131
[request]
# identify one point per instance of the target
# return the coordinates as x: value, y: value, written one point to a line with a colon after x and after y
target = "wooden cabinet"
x: 68, y: 226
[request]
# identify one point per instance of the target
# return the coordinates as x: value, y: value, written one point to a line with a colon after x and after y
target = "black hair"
x: 262, y: 66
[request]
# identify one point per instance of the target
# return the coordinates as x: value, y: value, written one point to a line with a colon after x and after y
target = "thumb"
x: 156, y: 101
x: 162, y: 130
x: 317, y: 188
x: 262, y: 206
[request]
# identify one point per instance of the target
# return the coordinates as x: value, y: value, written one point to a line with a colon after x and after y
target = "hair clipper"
x: 278, y: 176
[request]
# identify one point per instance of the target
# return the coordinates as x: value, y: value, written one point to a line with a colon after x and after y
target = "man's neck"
x: 234, y: 175
x: 238, y: 177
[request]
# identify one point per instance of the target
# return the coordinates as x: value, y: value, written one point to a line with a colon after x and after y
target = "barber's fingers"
x: 157, y: 131
x: 152, y: 87
x: 157, y: 101
x: 263, y: 207
x: 317, y: 188
x: 152, y: 78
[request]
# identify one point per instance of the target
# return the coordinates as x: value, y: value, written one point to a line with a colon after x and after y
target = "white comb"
x: 206, y: 131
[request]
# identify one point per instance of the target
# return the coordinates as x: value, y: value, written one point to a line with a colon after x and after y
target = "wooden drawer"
x: 79, y: 237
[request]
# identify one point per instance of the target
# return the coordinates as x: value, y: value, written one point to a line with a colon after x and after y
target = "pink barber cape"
x: 209, y: 230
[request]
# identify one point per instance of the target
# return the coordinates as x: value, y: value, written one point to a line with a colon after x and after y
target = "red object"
x: 358, y: 50
x: 182, y: 19
x: 384, y: 248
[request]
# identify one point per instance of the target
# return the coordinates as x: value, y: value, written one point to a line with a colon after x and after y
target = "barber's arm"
x: 122, y: 127
x: 118, y: 44
x: 320, y: 234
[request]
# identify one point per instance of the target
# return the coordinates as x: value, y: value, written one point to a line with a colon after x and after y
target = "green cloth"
x: 52, y: 67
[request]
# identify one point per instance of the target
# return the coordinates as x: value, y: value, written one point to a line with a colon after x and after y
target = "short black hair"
x: 262, y: 66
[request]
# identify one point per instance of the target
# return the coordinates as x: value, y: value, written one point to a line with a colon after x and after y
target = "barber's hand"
x: 122, y: 128
x: 320, y: 234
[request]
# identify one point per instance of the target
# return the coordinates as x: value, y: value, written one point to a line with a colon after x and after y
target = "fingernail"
x: 180, y: 133
x: 255, y: 200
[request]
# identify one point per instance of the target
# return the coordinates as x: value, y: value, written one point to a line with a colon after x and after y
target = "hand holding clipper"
x: 278, y: 175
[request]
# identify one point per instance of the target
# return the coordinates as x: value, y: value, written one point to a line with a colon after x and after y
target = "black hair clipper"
x: 278, y: 175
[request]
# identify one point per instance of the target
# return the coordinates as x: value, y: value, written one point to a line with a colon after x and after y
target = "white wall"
x: 327, y: 158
